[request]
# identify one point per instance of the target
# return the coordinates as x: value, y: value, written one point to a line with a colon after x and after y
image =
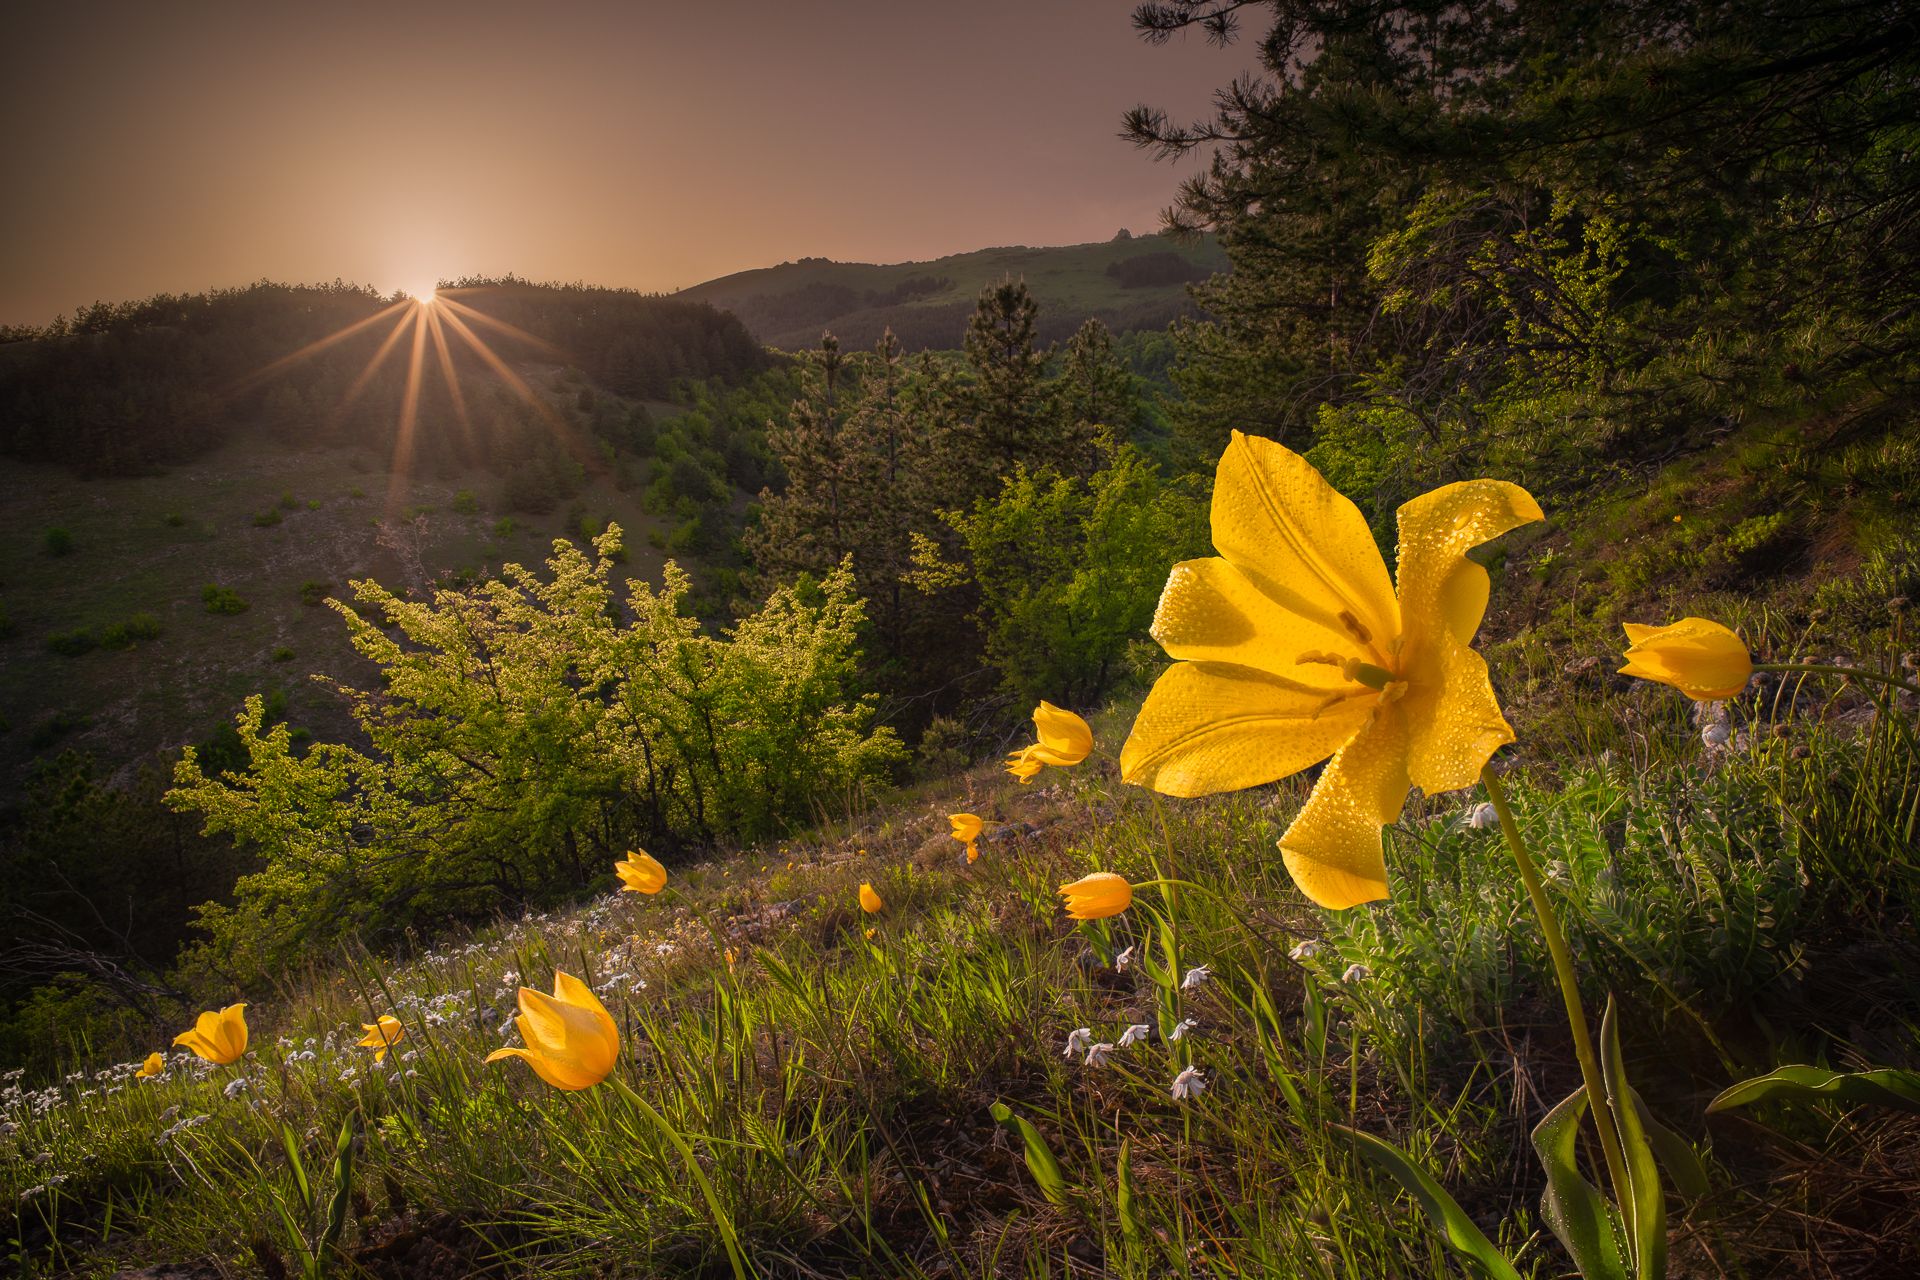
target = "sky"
x: 179, y: 146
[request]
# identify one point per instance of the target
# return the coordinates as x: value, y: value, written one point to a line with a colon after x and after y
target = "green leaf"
x: 1045, y: 1169
x: 1676, y: 1155
x: 1456, y: 1228
x: 1574, y: 1208
x: 1127, y: 1198
x: 1886, y: 1088
x: 1647, y: 1214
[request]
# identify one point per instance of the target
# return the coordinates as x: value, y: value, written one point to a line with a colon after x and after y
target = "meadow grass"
x: 836, y: 1092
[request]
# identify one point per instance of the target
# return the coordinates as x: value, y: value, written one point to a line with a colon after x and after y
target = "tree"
x: 1094, y: 391
x: 1005, y: 413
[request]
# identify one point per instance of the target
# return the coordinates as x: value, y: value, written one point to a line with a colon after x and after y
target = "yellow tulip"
x: 1097, y: 896
x: 641, y: 873
x: 1023, y: 766
x: 869, y: 900
x: 153, y: 1066
x: 571, y: 1040
x: 1065, y: 739
x: 1293, y: 645
x: 1700, y: 658
x: 966, y: 829
x: 220, y: 1037
x: 382, y: 1035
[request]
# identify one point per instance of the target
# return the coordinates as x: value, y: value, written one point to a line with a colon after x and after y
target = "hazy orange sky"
x: 178, y: 146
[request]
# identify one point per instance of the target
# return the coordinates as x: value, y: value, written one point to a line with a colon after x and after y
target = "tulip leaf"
x: 1456, y: 1228
x: 1041, y: 1164
x: 1887, y: 1088
x: 1676, y: 1155
x: 1578, y: 1214
x: 1647, y: 1212
x: 1126, y: 1198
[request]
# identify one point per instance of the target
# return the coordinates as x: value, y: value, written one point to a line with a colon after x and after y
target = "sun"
x: 424, y: 292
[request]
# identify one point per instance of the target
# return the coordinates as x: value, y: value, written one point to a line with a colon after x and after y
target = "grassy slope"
x: 128, y: 559
x: 1065, y: 280
x: 836, y: 1087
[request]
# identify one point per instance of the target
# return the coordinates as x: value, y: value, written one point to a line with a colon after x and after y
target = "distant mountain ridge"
x: 1129, y: 282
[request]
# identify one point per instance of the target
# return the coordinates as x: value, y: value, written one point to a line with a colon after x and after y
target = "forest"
x: 1549, y: 338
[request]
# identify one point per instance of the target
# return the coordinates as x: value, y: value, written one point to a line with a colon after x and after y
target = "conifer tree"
x: 806, y: 527
x: 1094, y: 392
x: 1007, y: 418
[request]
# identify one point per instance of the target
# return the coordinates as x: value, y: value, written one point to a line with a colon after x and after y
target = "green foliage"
x: 1068, y: 571
x: 268, y: 518
x: 221, y: 600
x: 137, y: 629
x: 466, y: 503
x: 592, y: 728
x: 313, y: 591
x: 71, y: 644
x: 57, y: 542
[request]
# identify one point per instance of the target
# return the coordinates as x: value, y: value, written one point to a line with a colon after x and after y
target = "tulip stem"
x: 672, y: 1135
x: 1822, y: 669
x: 1563, y: 970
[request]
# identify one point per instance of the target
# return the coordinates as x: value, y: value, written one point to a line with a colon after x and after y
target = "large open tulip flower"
x: 640, y: 872
x: 220, y: 1038
x: 382, y: 1035
x: 1294, y: 645
x: 572, y: 1042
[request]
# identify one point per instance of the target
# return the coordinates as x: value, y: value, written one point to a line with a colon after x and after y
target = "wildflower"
x: 1716, y: 735
x: 1065, y: 739
x: 571, y: 1040
x: 1700, y: 658
x: 235, y: 1086
x: 1121, y: 961
x: 153, y: 1066
x: 1304, y: 951
x: 1077, y: 1039
x: 1098, y: 1054
x: 640, y: 872
x: 1135, y: 1034
x: 220, y: 1037
x: 1294, y: 645
x: 870, y: 902
x: 382, y: 1035
x: 1195, y: 976
x: 1097, y: 896
x: 1356, y: 972
x: 1189, y: 1084
x: 1181, y: 1028
x: 872, y: 934
x: 966, y: 829
x: 1482, y: 816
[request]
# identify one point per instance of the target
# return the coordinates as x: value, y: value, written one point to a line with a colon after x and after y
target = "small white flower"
x: 1304, y: 951
x: 1482, y: 816
x: 1077, y: 1039
x: 1135, y: 1034
x: 234, y: 1086
x: 1195, y: 976
x: 1121, y: 961
x: 1180, y: 1029
x: 412, y: 1074
x: 1716, y: 735
x: 1098, y: 1054
x: 1356, y: 972
x: 1188, y: 1084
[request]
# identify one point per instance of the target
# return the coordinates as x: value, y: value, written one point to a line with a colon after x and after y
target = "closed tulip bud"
x: 1699, y: 657
x: 1097, y: 896
x: 870, y: 902
x: 382, y: 1035
x: 220, y: 1037
x: 572, y: 1042
x: 966, y: 829
x: 153, y: 1066
x: 640, y: 872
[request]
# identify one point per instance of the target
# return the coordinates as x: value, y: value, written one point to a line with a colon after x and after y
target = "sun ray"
x: 501, y: 326
x: 379, y: 357
x: 400, y: 473
x: 317, y: 345
x: 454, y: 393
x: 514, y: 381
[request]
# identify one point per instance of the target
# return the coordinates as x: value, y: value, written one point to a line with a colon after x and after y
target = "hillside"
x: 1129, y: 284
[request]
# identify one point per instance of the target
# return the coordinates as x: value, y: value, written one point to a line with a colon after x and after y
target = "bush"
x: 313, y: 504
x: 314, y: 591
x: 267, y: 519
x: 504, y: 527
x: 71, y: 644
x: 139, y: 628
x: 288, y: 501
x: 222, y: 600
x: 466, y: 503
x: 58, y: 542
x: 174, y: 519
x: 282, y: 654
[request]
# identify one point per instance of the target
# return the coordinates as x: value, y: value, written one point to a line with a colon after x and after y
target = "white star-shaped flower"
x: 1195, y: 976
x: 1135, y: 1034
x: 1077, y: 1039
x: 1189, y: 1084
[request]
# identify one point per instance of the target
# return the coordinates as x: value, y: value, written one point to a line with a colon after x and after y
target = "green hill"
x: 1139, y: 282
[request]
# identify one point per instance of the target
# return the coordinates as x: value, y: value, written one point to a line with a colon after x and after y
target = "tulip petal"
x: 1065, y: 739
x: 1210, y: 727
x: 1455, y: 719
x: 1302, y: 542
x: 554, y: 1073
x: 1212, y: 612
x: 1703, y: 659
x: 1333, y: 848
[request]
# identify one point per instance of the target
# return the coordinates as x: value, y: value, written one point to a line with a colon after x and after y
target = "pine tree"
x: 1095, y: 394
x: 1007, y: 418
x: 806, y: 528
